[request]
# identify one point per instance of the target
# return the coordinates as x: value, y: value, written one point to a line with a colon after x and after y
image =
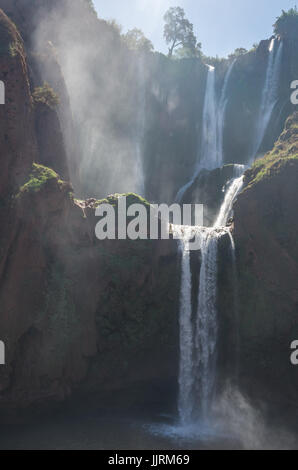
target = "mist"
x: 236, y: 416
x: 105, y: 84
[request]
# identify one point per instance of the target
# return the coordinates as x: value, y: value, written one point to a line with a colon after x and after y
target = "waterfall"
x: 211, y: 149
x: 236, y: 308
x: 206, y: 322
x: 269, y: 93
x: 222, y: 113
x: 231, y: 194
x: 199, y: 330
x: 140, y: 128
x: 209, y: 130
x: 185, y: 404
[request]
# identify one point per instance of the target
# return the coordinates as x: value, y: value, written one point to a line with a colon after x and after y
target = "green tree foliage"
x: 215, y: 61
x: 178, y: 31
x: 187, y: 53
x: 238, y: 52
x: 90, y: 5
x: 46, y: 95
x: 286, y: 24
x: 136, y: 41
x: 115, y: 25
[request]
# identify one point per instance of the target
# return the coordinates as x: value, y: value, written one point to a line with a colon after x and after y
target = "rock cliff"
x: 75, y: 313
x: 262, y: 329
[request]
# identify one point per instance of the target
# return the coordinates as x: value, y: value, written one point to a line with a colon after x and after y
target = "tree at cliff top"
x: 238, y: 52
x: 178, y: 31
x: 135, y: 40
x: 286, y: 24
x: 90, y: 5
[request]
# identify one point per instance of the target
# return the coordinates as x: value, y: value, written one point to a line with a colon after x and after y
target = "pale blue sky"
x: 221, y: 25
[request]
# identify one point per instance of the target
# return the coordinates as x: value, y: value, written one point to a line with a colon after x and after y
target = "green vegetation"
x: 187, y: 53
x: 46, y: 95
x: 178, y: 32
x: 90, y: 5
x: 13, y: 49
x: 135, y: 40
x: 238, y: 52
x: 215, y: 61
x: 286, y: 24
x: 39, y: 176
x: 131, y: 198
x: 284, y: 152
x: 255, y: 46
x: 10, y: 42
x: 114, y: 25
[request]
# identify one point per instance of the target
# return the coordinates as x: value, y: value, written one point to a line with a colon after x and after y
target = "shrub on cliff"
x: 90, y: 5
x: 287, y: 24
x: 136, y: 41
x: 46, y: 95
x: 38, y: 177
x: 284, y: 152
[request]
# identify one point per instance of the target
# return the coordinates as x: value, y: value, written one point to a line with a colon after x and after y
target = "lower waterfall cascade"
x: 199, y: 329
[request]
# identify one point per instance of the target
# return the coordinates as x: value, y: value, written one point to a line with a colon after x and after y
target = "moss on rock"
x: 39, y: 176
x: 285, y: 152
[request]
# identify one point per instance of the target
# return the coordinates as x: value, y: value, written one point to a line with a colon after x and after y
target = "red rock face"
x: 51, y: 148
x: 72, y: 309
x: 266, y: 230
x: 17, y: 138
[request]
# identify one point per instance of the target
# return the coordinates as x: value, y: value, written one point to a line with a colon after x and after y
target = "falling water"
x: 198, y: 332
x: 206, y: 322
x: 236, y: 308
x: 222, y: 113
x: 140, y: 128
x: 185, y: 404
x: 209, y: 130
x: 231, y: 194
x: 211, y: 151
x: 269, y: 94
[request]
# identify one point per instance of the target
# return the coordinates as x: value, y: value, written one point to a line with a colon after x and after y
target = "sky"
x: 221, y: 25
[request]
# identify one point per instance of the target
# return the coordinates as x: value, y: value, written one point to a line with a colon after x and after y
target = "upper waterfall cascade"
x: 211, y: 155
x: 269, y: 93
x: 140, y: 128
x: 213, y: 121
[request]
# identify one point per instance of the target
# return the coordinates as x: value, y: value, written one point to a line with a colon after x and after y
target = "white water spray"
x: 222, y: 108
x: 140, y: 129
x: 231, y: 194
x: 198, y: 332
x: 209, y: 130
x: 269, y: 94
x: 185, y: 405
x: 211, y: 150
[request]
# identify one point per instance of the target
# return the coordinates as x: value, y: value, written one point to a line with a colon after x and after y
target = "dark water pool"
x: 109, y: 432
